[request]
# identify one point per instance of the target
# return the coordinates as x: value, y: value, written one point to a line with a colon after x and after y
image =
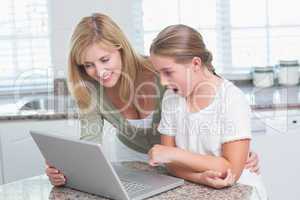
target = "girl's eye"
x: 167, y: 73
x: 104, y: 60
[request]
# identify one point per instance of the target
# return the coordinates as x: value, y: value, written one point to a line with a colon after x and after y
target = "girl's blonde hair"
x: 182, y: 43
x: 100, y: 29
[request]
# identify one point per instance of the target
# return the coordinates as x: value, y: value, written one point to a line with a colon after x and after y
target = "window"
x: 240, y: 34
x: 159, y: 14
x: 24, y: 44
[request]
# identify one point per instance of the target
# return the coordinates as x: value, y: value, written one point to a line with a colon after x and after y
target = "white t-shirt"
x: 225, y: 119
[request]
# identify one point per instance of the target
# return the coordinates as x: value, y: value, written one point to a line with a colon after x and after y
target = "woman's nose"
x: 99, y: 69
x: 101, y: 72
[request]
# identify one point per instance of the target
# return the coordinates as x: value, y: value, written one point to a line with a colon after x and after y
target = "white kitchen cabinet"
x: 21, y: 157
x: 276, y: 122
x: 1, y: 176
x: 280, y: 164
x: 258, y: 125
x: 293, y: 123
x: 278, y: 149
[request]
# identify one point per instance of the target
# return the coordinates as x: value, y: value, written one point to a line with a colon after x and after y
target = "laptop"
x: 87, y: 169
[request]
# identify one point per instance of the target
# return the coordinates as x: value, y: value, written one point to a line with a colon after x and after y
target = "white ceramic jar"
x: 288, y: 72
x: 263, y: 76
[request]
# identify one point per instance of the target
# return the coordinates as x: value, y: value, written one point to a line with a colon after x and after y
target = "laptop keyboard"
x: 132, y: 187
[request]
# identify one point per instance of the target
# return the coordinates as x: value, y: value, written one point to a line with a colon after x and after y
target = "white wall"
x: 64, y: 15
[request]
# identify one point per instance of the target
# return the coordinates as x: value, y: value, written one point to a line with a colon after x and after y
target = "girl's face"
x: 103, y: 65
x: 181, y: 78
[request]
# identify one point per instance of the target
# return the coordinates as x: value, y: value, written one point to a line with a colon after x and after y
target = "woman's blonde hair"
x: 182, y: 43
x: 100, y: 29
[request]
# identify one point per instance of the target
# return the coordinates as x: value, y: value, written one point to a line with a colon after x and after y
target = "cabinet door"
x: 293, y: 124
x: 276, y: 125
x: 276, y: 121
x: 258, y: 126
x: 21, y: 156
x: 1, y: 176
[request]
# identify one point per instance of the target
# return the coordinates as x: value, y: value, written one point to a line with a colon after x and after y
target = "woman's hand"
x: 160, y: 154
x: 56, y: 178
x: 214, y: 179
x: 252, y: 163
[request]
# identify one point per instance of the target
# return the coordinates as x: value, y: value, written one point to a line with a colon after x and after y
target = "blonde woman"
x: 117, y: 92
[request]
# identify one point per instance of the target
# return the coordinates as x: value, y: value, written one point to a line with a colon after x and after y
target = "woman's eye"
x: 88, y: 65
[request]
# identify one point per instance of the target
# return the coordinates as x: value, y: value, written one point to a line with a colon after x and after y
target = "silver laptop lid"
x: 85, y: 166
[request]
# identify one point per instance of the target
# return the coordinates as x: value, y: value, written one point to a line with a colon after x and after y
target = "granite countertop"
x: 277, y: 97
x: 38, y: 115
x: 39, y: 108
x: 40, y: 188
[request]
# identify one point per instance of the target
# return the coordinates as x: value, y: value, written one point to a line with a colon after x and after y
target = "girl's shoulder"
x: 233, y: 94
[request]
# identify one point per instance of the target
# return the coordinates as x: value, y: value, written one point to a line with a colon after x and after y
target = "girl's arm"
x: 209, y: 178
x: 234, y: 156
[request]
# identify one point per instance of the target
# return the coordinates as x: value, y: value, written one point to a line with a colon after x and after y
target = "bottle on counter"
x: 263, y: 76
x: 288, y: 72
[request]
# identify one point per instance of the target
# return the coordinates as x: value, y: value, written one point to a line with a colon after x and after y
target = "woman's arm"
x: 91, y: 125
x: 252, y: 162
x: 234, y: 156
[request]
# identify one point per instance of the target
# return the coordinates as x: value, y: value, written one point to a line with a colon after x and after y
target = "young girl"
x: 205, y: 122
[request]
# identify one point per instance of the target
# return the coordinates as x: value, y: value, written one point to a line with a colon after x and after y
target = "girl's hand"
x: 160, y: 154
x: 252, y: 163
x: 214, y: 179
x: 56, y: 178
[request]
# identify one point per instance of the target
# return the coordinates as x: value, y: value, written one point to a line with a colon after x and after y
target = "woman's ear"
x: 197, y: 63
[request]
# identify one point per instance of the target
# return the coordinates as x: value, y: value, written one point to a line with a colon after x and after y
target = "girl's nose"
x: 163, y: 80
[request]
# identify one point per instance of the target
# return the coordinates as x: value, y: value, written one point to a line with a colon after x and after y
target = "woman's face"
x: 178, y: 77
x: 103, y: 65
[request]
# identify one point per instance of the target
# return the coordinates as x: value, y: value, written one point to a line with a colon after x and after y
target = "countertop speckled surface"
x: 39, y: 188
x: 38, y: 115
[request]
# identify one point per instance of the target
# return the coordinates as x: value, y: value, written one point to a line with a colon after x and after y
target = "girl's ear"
x: 197, y: 64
